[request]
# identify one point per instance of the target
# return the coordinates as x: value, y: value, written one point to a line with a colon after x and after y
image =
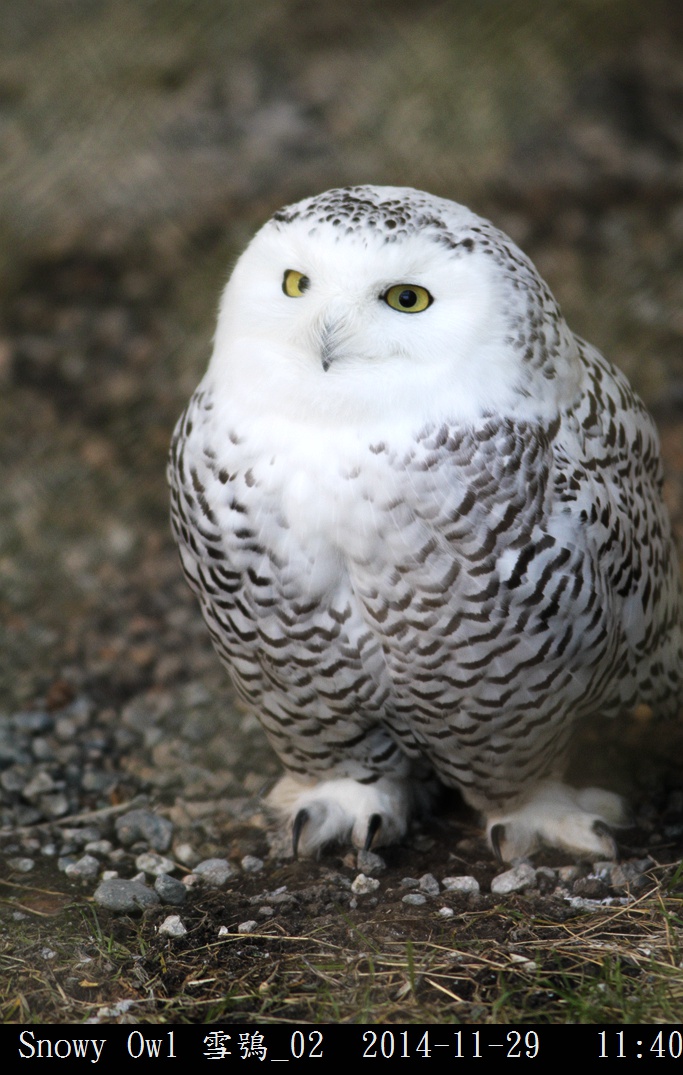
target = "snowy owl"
x: 424, y: 523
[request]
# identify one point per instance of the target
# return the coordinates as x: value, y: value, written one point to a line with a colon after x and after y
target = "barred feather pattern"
x: 445, y: 598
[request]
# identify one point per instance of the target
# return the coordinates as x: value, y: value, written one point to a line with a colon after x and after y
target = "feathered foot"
x: 559, y: 816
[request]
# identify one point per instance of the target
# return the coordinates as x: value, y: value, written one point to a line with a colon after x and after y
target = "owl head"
x: 387, y: 303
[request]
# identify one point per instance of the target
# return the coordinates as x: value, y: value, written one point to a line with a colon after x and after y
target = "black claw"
x: 601, y: 829
x: 497, y: 835
x: 374, y: 825
x: 298, y: 824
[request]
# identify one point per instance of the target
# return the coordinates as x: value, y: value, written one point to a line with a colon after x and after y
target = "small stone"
x: 244, y: 927
x: 546, y: 880
x: 12, y: 780
x: 415, y: 899
x: 223, y: 931
x: 464, y: 884
x: 429, y: 884
x: 266, y: 911
x: 252, y: 864
x: 84, y: 869
x: 41, y: 783
x: 144, y: 825
x: 99, y: 847
x: 362, y: 885
x: 54, y: 805
x: 409, y: 882
x: 32, y: 721
x: 369, y: 862
x: 446, y: 912
x: 42, y: 749
x: 630, y: 874
x: 21, y: 865
x: 590, y: 888
x: 170, y: 889
x: 172, y: 927
x: 569, y: 874
x: 120, y: 895
x: 517, y: 879
x: 214, y: 872
x: 152, y: 863
x: 186, y: 854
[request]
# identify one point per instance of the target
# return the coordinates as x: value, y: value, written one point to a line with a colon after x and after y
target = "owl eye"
x: 294, y: 283
x: 408, y: 298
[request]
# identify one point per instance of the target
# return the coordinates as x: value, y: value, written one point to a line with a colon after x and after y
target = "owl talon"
x: 497, y: 836
x: 374, y: 825
x: 605, y: 833
x: 300, y: 821
x: 579, y: 821
x: 344, y: 810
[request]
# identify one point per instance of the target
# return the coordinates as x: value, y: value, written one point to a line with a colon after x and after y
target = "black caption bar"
x: 236, y: 1044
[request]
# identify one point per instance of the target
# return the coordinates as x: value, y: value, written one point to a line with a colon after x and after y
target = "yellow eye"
x: 408, y: 298
x: 294, y: 283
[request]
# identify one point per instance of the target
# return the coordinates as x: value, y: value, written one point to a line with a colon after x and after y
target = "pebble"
x: 84, y: 869
x: 21, y: 865
x: 214, y: 872
x: 363, y: 885
x: 186, y: 854
x: 172, y: 927
x: 252, y: 864
x: 169, y: 889
x: 370, y: 862
x: 144, y: 825
x: 120, y: 895
x: 464, y: 884
x: 99, y: 847
x: 152, y: 863
x: 244, y: 927
x: 429, y: 884
x: 514, y: 880
x: 415, y: 899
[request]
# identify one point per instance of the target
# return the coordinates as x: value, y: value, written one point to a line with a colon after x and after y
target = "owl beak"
x: 332, y: 336
x: 327, y: 347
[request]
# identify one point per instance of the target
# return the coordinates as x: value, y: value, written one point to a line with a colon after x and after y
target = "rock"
x: 252, y: 864
x: 144, y: 825
x: 362, y: 885
x: 120, y: 895
x: 84, y: 869
x: 21, y: 864
x: 172, y: 927
x: 169, y: 889
x: 514, y: 880
x: 464, y: 884
x: 152, y: 863
x: 214, y: 872
x: 429, y: 884
x: 369, y: 862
